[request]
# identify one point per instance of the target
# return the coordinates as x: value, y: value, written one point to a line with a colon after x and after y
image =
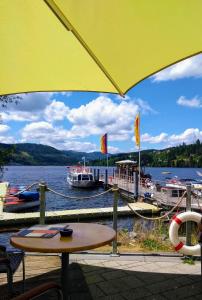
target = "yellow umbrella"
x: 93, y: 45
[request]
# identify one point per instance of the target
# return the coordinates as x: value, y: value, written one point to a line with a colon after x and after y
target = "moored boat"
x: 176, y: 182
x: 81, y: 177
x: 18, y: 199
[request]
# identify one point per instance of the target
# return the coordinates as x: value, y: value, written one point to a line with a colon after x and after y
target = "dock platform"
x: 9, y: 219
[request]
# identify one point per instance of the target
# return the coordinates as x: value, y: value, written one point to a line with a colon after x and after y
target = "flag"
x: 137, y: 130
x: 103, y: 144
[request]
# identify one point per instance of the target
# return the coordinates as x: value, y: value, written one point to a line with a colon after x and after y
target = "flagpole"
x: 137, y: 139
x: 139, y: 169
x: 139, y: 156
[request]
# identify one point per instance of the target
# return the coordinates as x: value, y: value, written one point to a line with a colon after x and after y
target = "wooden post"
x: 115, y: 213
x: 200, y: 243
x: 106, y: 177
x: 42, y: 192
x: 98, y: 174
x: 135, y: 183
x: 188, y: 208
x: 94, y: 174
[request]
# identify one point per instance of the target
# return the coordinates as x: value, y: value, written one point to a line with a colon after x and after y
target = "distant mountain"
x: 37, y: 154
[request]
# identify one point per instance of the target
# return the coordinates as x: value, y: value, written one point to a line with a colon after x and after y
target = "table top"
x: 85, y: 236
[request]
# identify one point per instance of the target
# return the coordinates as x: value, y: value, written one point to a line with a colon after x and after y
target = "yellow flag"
x: 137, y: 130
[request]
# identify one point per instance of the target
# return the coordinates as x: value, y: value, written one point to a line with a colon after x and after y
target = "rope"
x: 197, y: 199
x: 161, y: 217
x: 78, y: 197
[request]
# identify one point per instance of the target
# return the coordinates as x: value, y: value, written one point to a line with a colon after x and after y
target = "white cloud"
x: 31, y: 102
x: 66, y: 94
x: 79, y: 146
x: 29, y: 108
x: 36, y: 106
x: 19, y: 116
x: 190, y: 67
x: 144, y: 107
x: 4, y: 137
x: 113, y: 150
x: 45, y: 133
x: 154, y: 139
x: 55, y: 111
x: 4, y: 128
x: 189, y: 136
x: 103, y: 115
x: 7, y: 139
x: 121, y: 136
x: 193, y: 103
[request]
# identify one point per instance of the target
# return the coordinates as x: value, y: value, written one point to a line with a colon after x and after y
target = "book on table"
x: 41, y: 231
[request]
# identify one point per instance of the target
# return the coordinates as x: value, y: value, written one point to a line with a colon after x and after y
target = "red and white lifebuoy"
x: 174, y: 228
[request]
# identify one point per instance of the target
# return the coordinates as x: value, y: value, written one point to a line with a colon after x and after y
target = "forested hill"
x: 180, y: 156
x: 36, y: 154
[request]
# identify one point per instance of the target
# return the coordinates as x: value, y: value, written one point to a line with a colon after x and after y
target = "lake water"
x: 55, y: 177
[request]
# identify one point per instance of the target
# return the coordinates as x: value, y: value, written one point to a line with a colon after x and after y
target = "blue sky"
x: 170, y: 105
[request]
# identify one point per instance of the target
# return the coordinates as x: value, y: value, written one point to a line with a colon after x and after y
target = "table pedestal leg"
x: 64, y: 275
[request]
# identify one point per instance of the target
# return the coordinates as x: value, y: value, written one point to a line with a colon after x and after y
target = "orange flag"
x: 103, y: 144
x: 137, y: 130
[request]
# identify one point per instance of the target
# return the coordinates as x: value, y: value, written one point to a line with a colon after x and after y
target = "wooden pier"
x: 158, y: 199
x: 9, y: 219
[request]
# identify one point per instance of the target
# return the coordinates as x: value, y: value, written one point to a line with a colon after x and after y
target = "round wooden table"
x: 85, y: 236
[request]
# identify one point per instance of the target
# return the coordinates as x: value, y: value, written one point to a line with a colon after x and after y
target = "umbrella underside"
x: 91, y: 45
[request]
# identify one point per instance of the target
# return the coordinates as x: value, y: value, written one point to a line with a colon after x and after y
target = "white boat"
x: 177, y: 183
x: 81, y: 177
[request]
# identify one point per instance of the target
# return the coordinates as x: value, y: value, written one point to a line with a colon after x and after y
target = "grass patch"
x: 189, y: 261
x: 141, y: 239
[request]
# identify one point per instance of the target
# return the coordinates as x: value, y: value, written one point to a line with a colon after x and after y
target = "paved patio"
x: 94, y: 276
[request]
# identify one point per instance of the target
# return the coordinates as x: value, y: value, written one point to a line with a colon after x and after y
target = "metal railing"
x: 188, y: 195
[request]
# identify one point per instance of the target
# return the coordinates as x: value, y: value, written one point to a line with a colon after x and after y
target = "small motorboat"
x: 80, y: 177
x: 18, y: 199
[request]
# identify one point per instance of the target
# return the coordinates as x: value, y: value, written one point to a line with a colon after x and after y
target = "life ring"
x: 174, y: 228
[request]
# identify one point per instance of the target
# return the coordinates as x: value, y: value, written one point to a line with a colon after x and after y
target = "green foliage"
x: 189, y: 156
x: 36, y: 154
x: 188, y: 260
x: 155, y: 238
x: 5, y: 155
x: 152, y: 244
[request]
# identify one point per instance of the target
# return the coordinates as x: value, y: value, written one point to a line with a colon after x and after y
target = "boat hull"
x: 21, y: 206
x: 80, y: 177
x: 82, y: 184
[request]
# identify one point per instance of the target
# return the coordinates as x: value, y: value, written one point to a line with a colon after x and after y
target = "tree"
x: 6, y: 99
x: 6, y: 153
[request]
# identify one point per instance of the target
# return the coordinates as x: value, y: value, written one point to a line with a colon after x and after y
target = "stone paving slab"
x: 125, y: 277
